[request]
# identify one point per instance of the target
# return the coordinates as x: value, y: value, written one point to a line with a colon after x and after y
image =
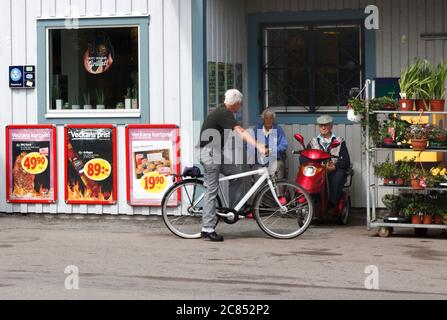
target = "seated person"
x: 274, y: 138
x: 337, y: 166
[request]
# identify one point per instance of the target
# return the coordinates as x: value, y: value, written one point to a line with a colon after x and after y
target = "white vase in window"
x: 76, y: 107
x: 100, y: 106
x: 88, y: 107
x: 128, y: 103
x: 134, y: 103
x: 59, y: 104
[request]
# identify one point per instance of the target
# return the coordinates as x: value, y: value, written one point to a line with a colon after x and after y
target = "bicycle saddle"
x: 192, y: 172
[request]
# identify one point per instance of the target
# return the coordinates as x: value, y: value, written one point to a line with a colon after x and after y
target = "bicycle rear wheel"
x: 182, y: 208
x: 284, y: 224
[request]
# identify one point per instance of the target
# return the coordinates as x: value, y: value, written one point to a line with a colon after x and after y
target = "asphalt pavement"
x: 122, y: 257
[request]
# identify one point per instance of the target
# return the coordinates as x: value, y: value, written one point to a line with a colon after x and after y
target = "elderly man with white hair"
x: 213, y: 136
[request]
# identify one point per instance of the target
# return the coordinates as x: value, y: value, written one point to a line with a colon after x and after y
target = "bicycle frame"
x: 264, y: 173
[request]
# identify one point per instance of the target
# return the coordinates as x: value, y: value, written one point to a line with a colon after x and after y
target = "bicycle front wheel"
x: 182, y: 208
x: 289, y: 222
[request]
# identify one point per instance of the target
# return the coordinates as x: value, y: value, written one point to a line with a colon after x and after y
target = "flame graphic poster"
x: 153, y: 157
x: 90, y: 164
x: 31, y: 164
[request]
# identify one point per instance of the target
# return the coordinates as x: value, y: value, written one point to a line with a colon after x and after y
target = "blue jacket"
x: 279, y: 141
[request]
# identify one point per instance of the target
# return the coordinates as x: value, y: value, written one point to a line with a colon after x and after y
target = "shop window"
x: 93, y: 68
x: 310, y: 68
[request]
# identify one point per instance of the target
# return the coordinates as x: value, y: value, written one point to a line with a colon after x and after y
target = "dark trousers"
x: 337, y: 180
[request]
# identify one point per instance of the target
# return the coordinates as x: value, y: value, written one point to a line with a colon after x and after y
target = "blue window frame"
x: 95, y: 62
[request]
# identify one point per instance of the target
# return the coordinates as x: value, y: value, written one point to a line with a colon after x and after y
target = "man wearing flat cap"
x: 337, y: 166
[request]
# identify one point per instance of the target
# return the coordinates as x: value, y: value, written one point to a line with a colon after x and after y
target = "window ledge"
x: 62, y: 114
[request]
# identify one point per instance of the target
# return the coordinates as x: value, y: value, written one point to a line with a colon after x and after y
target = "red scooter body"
x: 313, y: 177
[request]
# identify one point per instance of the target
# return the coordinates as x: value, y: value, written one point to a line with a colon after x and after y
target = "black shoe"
x: 212, y: 236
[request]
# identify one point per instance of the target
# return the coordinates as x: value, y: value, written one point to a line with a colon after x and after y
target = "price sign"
x: 153, y: 182
x: 35, y: 163
x: 98, y: 169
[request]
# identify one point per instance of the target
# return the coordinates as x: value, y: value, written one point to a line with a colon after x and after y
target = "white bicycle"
x: 283, y: 210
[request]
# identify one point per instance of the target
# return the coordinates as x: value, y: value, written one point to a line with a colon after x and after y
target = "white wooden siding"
x: 170, y: 79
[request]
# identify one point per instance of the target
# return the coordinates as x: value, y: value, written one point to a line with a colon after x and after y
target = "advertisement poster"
x: 212, y: 86
x: 222, y: 85
x: 153, y: 156
x: 238, y: 77
x: 230, y: 76
x: 31, y: 164
x: 98, y: 57
x: 90, y: 164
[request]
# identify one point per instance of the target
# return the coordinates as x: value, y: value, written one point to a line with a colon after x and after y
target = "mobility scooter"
x: 313, y: 177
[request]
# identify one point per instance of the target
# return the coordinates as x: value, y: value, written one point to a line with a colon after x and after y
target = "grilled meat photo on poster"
x: 26, y: 156
x: 90, y: 164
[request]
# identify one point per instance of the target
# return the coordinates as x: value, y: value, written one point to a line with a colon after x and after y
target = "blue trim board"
x: 199, y: 59
x: 254, y: 23
x: 142, y: 22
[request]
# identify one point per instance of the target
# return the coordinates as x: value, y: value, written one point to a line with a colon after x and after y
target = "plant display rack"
x: 385, y: 229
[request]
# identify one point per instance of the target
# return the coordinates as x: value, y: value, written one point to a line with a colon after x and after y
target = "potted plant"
x: 383, y: 103
x: 418, y: 179
x: 436, y: 87
x: 438, y: 136
x: 422, y: 90
x: 418, y: 134
x: 404, y: 171
x: 75, y: 105
x: 87, y: 103
x: 57, y: 97
x: 408, y: 83
x: 386, y: 171
x: 135, y: 98
x: 386, y: 135
x: 100, y: 99
x: 413, y: 211
x: 128, y: 99
x: 392, y: 203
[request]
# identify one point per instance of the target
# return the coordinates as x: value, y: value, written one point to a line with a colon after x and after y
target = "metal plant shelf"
x: 407, y: 112
x: 379, y: 223
x: 407, y: 188
x: 373, y: 188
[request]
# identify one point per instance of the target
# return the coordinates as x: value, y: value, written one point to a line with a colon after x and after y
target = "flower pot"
x: 388, y: 181
x: 88, y: 107
x: 415, y: 184
x: 406, y: 105
x: 422, y: 105
x: 416, y: 219
x: 76, y: 107
x: 399, y: 181
x: 438, y: 219
x: 427, y: 219
x: 100, y: 106
x: 388, y: 107
x: 437, y: 105
x: 419, y: 144
x: 388, y: 141
x: 59, y: 103
x: 440, y: 138
x: 134, y: 103
x: 128, y: 103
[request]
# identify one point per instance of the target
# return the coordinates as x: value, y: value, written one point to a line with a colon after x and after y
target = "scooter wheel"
x: 343, y: 218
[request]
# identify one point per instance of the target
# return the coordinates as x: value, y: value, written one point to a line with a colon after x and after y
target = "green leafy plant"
x: 359, y: 107
x: 385, y: 170
x: 383, y: 103
x: 135, y: 93
x: 405, y: 168
x: 56, y: 93
x: 418, y: 131
x: 100, y: 98
x: 128, y: 94
x: 86, y: 97
x: 424, y: 78
x: 436, y: 85
x: 392, y: 203
x: 409, y: 81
